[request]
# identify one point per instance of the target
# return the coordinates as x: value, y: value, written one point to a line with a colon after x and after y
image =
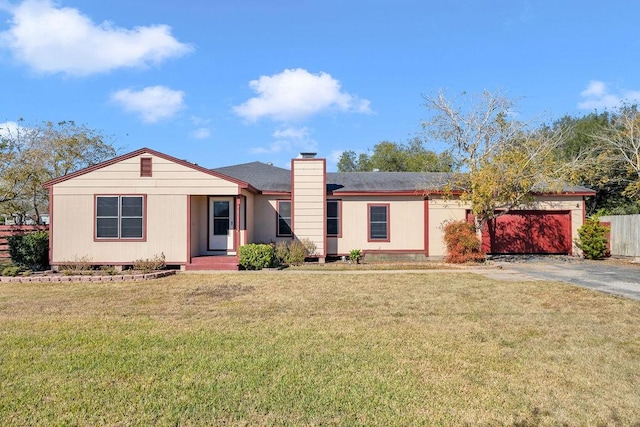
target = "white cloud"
x: 152, y: 103
x: 289, y: 140
x: 201, y: 133
x: 12, y: 130
x: 598, y: 95
x: 52, y: 39
x: 297, y: 94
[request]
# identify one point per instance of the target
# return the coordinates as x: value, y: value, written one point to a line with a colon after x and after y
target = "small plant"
x: 109, y: 270
x: 462, y: 243
x: 256, y: 256
x: 77, y: 266
x: 11, y: 271
x: 592, y: 239
x: 309, y: 247
x: 150, y: 264
x: 355, y: 255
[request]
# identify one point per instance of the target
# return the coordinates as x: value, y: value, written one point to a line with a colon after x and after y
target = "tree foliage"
x: 394, y: 157
x: 499, y: 162
x: 620, y: 140
x: 35, y: 154
x: 598, y: 171
x: 611, y: 142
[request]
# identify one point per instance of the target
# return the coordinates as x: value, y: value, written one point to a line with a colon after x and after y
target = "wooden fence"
x: 10, y: 230
x: 624, y: 235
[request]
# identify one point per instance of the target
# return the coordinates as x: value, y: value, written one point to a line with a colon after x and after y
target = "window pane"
x: 332, y: 209
x: 332, y: 227
x: 378, y: 230
x: 220, y: 226
x: 221, y: 209
x: 107, y: 206
x: 378, y: 213
x: 131, y: 228
x: 107, y: 228
x: 132, y: 206
x: 284, y: 209
x: 284, y: 228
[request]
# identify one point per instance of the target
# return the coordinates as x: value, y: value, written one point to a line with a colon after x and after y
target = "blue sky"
x: 225, y: 82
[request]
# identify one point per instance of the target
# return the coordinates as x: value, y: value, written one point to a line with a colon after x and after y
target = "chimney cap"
x: 308, y: 155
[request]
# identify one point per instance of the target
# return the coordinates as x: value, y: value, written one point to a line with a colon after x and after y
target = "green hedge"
x: 257, y: 256
x: 30, y: 250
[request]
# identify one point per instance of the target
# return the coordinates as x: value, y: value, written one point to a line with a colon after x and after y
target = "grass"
x: 377, y: 265
x: 317, y: 349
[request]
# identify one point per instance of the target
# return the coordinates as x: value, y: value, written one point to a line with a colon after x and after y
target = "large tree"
x: 619, y: 141
x: 32, y: 155
x: 389, y: 156
x: 499, y: 162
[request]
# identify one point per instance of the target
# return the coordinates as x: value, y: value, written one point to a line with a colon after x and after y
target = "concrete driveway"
x: 604, y: 276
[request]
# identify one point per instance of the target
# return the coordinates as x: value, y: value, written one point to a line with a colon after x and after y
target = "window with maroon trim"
x: 333, y: 218
x: 145, y: 166
x: 119, y: 217
x: 379, y: 222
x: 284, y: 218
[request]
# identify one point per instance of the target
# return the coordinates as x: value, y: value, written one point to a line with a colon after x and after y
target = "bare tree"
x: 620, y: 143
x: 500, y: 162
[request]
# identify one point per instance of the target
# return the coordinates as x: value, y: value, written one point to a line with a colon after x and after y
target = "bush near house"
x: 30, y: 250
x: 294, y: 252
x: 592, y: 239
x: 462, y: 243
x: 256, y: 256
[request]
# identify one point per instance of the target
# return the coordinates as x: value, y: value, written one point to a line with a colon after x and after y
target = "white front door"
x: 221, y: 223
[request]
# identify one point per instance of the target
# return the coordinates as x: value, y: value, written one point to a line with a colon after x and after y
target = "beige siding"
x: 73, y: 231
x: 248, y: 210
x: 198, y: 224
x: 168, y: 178
x: 167, y: 226
x: 406, y: 227
x: 308, y: 201
x: 442, y: 211
x: 265, y: 218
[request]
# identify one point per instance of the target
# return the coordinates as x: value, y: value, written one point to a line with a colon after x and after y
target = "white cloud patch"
x: 201, y: 133
x: 152, y: 103
x: 53, y: 39
x: 297, y: 94
x: 289, y: 140
x: 598, y: 95
x: 12, y: 130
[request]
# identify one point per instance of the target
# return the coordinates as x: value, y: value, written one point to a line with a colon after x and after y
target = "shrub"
x: 30, y: 250
x: 355, y: 255
x: 294, y: 252
x: 150, y: 264
x: 462, y: 243
x: 592, y: 239
x: 11, y: 271
x: 257, y: 256
x: 109, y: 270
x: 78, y: 265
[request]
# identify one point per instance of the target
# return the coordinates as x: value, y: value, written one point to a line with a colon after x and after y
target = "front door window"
x: 221, y: 224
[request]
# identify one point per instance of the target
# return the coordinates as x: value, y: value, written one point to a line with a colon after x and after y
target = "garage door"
x: 529, y: 232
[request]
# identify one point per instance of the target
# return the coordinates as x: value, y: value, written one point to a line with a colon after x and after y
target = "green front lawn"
x: 290, y: 348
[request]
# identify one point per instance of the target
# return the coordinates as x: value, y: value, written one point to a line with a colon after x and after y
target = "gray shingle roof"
x: 262, y: 176
x: 266, y: 178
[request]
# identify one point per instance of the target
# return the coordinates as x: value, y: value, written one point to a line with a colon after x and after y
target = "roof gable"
x: 143, y: 151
